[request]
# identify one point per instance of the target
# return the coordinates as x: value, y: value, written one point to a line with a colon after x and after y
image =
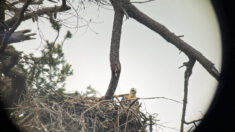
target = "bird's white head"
x: 133, y: 91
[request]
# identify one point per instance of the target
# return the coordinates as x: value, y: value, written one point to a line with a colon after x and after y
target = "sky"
x: 149, y: 63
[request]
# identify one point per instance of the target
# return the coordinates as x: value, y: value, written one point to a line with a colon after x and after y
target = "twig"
x: 141, y: 2
x: 126, y: 119
x: 162, y: 98
x: 172, y: 128
x: 194, y: 121
x: 150, y: 123
x: 118, y: 121
x: 132, y: 103
x: 83, y: 113
x: 25, y: 118
x: 194, y: 124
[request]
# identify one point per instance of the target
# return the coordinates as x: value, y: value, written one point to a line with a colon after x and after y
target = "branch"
x: 64, y: 3
x: 189, y: 66
x: 163, y: 98
x: 15, y: 26
x: 18, y: 36
x: 39, y: 12
x: 114, y: 51
x: 141, y: 2
x: 21, y: 1
x: 194, y: 121
x: 139, y: 16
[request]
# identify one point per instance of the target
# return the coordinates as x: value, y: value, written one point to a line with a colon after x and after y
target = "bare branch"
x: 15, y: 26
x: 194, y: 121
x: 19, y: 36
x: 162, y: 98
x: 189, y: 66
x: 139, y: 16
x: 141, y: 2
x: 39, y: 12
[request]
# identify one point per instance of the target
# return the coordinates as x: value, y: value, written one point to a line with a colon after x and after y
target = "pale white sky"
x: 149, y: 63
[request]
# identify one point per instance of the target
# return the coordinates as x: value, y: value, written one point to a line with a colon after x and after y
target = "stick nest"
x: 73, y: 112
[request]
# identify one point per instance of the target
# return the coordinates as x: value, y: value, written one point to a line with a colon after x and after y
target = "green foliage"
x: 49, y: 71
x: 90, y: 92
x: 60, y: 91
x: 68, y: 35
x: 55, y: 24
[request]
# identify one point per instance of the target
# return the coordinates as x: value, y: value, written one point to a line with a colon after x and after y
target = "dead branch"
x: 18, y: 36
x: 189, y: 66
x: 162, y: 98
x: 114, y: 51
x: 39, y: 12
x: 194, y: 121
x: 139, y: 16
x: 14, y: 27
x: 141, y: 2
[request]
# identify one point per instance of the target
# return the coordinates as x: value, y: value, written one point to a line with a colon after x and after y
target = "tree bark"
x: 2, y: 15
x: 114, y: 52
x: 134, y: 13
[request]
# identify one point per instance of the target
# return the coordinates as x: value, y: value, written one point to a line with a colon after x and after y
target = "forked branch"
x: 125, y: 6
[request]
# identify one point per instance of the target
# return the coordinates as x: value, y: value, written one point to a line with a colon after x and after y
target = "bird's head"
x: 133, y: 91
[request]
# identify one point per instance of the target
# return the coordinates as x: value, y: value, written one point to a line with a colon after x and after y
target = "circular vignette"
x: 220, y: 113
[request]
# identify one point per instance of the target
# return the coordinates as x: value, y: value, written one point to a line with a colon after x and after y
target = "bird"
x: 127, y: 99
x: 132, y: 94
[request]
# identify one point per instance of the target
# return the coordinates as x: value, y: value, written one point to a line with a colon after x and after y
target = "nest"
x: 76, y: 113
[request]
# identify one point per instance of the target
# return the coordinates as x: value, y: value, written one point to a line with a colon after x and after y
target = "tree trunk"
x: 114, y: 52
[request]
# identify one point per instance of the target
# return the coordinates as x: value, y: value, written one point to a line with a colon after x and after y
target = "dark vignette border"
x: 220, y: 116
x: 6, y: 125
